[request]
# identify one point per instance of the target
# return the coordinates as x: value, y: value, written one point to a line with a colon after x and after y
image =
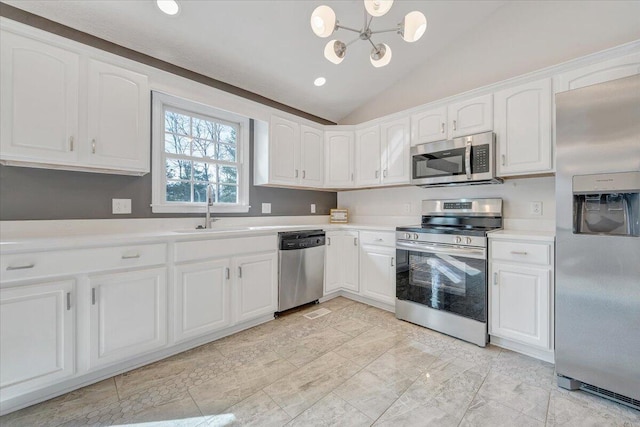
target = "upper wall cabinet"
x: 470, y: 116
x: 598, y: 73
x: 429, y: 126
x: 368, y: 159
x: 523, y: 129
x: 395, y: 146
x: 292, y: 155
x: 340, y: 153
x: 45, y: 92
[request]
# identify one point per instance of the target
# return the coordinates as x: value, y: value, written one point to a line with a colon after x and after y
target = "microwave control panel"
x: 480, y: 158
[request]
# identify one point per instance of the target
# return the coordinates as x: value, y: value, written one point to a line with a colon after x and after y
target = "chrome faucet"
x: 207, y: 218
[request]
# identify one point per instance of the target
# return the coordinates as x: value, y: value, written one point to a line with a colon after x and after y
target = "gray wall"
x: 40, y: 194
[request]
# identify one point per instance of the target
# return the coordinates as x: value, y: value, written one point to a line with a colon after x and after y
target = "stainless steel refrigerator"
x: 597, y: 304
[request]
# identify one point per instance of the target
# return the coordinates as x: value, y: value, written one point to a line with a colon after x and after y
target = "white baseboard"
x: 537, y: 353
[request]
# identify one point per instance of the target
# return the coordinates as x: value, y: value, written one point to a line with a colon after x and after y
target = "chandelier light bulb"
x: 170, y: 7
x: 377, y: 7
x: 413, y: 26
x: 380, y: 55
x: 334, y: 51
x: 323, y: 21
x: 320, y: 81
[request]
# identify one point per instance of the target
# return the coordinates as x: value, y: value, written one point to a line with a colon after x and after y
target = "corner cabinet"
x: 45, y: 90
x: 521, y: 296
x: 339, y: 159
x: 524, y: 139
x: 341, y: 261
x: 37, y: 335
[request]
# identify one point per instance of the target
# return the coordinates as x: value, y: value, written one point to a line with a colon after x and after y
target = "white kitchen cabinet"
x: 256, y: 287
x: 37, y: 335
x: 377, y: 266
x: 341, y: 261
x: 470, y: 116
x: 128, y: 315
x: 202, y: 298
x: 368, y: 157
x: 339, y: 159
x: 523, y: 117
x: 39, y: 92
x: 118, y: 117
x: 284, y: 151
x: 395, y: 145
x: 600, y: 72
x: 429, y: 126
x: 521, y: 296
x: 311, y: 157
x: 46, y: 90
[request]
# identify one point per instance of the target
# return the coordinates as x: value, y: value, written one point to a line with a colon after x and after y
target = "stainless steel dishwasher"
x: 301, y: 268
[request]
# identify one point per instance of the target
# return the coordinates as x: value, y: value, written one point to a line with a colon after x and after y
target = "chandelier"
x: 324, y: 24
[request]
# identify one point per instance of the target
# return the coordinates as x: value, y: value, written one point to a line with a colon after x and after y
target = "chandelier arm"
x: 338, y: 27
x: 387, y: 31
x: 353, y: 41
x: 373, y: 44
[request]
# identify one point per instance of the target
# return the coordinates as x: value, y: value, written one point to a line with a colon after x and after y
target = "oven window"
x: 451, y: 283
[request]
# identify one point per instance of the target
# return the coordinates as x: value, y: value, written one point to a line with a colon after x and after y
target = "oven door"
x: 443, y: 277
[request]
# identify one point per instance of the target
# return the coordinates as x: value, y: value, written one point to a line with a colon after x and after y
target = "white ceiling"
x: 267, y: 47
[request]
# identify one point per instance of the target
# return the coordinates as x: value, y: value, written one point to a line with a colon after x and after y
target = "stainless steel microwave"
x: 465, y: 160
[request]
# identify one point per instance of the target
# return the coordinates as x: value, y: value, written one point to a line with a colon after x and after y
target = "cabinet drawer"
x: 379, y: 238
x: 522, y: 252
x: 217, y: 248
x: 42, y: 264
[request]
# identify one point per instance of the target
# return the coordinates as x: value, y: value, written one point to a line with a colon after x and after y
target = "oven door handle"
x: 467, y: 157
x: 477, y: 253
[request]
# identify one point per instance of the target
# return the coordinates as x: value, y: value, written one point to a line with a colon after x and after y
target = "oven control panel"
x: 447, y: 239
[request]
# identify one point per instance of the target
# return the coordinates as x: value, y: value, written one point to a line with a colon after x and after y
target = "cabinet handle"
x: 93, y: 296
x: 131, y: 256
x: 495, y: 279
x: 93, y: 146
x: 504, y: 160
x: 355, y: 241
x: 68, y: 301
x: 392, y: 261
x: 518, y: 252
x: 351, y: 176
x: 455, y: 125
x: 20, y: 267
x: 377, y: 174
x: 240, y: 272
x: 227, y: 273
x: 328, y: 241
x: 304, y: 174
x: 441, y: 127
x: 384, y: 173
x: 296, y: 173
x: 71, y: 143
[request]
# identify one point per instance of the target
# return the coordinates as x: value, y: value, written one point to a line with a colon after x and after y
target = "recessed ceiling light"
x: 170, y: 7
x: 320, y: 81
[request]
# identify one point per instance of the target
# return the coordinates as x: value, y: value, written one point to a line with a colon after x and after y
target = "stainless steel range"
x: 441, y: 272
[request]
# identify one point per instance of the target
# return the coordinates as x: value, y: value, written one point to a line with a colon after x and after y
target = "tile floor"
x: 357, y: 366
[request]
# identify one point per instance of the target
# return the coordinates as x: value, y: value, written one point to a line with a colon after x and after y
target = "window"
x: 196, y: 146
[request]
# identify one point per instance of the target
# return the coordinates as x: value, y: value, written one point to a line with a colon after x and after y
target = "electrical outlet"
x: 313, y: 208
x: 406, y: 208
x: 535, y: 208
x: 121, y: 206
x: 266, y: 208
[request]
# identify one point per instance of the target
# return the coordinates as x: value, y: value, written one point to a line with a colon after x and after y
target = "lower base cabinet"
x: 201, y: 298
x: 256, y: 286
x: 37, y: 335
x: 378, y: 273
x: 341, y: 261
x: 128, y: 315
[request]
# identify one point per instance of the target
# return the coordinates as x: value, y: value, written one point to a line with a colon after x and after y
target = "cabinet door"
x: 378, y: 273
x: 395, y: 145
x: 350, y: 261
x: 333, y: 262
x: 128, y: 315
x: 429, y: 126
x: 39, y: 99
x: 471, y: 116
x: 523, y: 128
x: 519, y: 298
x: 36, y: 335
x: 368, y: 161
x: 339, y: 147
x: 201, y: 296
x: 598, y: 73
x: 284, y: 151
x: 118, y: 118
x: 312, y: 157
x: 256, y: 288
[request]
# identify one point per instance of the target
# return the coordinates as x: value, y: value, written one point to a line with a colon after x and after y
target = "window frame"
x: 159, y: 203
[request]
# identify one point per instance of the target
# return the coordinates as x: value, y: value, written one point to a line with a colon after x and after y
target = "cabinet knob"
x: 495, y: 278
x: 304, y: 174
x: 441, y: 127
x: 93, y: 146
x: 296, y: 173
x: 504, y: 160
x: 384, y: 173
x: 455, y: 125
x: 355, y: 241
x: 392, y: 261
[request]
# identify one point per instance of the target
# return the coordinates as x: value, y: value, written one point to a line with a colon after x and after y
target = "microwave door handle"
x: 467, y: 158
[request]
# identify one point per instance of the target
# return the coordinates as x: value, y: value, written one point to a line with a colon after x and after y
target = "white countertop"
x: 543, y: 236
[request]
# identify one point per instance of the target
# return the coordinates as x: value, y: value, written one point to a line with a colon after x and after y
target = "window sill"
x: 188, y: 208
